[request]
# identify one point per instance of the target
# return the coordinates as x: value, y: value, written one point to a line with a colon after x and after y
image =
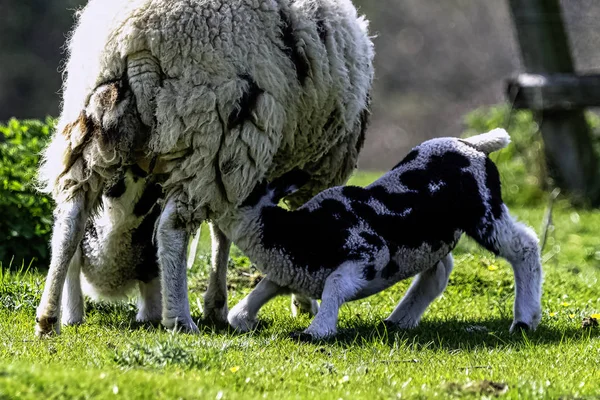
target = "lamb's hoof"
x: 302, y: 337
x: 47, y: 326
x: 519, y: 326
x: 403, y: 324
x: 181, y: 325
x: 147, y: 318
x: 241, y: 322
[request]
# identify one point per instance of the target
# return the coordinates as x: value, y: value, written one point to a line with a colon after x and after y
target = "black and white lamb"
x: 350, y: 242
x: 208, y: 97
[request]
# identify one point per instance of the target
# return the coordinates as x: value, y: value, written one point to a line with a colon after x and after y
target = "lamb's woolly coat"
x: 350, y: 242
x: 219, y: 94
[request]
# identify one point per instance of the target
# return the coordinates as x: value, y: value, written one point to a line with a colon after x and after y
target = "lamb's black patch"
x: 409, y: 157
x: 290, y: 48
x: 372, y: 240
x: 246, y: 105
x: 391, y: 269
x: 146, y: 268
x: 494, y: 186
x: 312, y: 239
x: 152, y: 193
x: 317, y: 238
x: 116, y: 189
x: 369, y: 272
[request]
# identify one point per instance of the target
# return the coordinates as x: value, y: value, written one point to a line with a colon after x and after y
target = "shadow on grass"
x: 460, y: 335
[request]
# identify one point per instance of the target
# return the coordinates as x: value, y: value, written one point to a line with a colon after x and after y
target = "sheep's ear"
x: 288, y: 183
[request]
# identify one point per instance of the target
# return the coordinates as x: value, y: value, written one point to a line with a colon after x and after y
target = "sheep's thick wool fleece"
x: 223, y: 92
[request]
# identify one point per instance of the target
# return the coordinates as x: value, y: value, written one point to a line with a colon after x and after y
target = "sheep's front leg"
x: 215, y: 299
x: 149, y: 302
x: 70, y: 218
x: 426, y: 287
x: 172, y: 239
x: 72, y: 300
x: 242, y: 317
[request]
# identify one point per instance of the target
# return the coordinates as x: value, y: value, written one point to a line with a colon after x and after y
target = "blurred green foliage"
x: 25, y: 213
x: 522, y: 166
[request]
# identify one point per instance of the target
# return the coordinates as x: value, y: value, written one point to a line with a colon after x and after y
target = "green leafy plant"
x: 25, y: 213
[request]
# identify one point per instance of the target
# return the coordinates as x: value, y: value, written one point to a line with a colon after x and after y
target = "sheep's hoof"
x: 47, y: 326
x: 216, y: 312
x: 519, y: 326
x: 183, y: 325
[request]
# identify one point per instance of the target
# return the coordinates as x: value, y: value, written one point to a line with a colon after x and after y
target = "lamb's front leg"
x: 242, y: 317
x: 72, y: 299
x: 340, y: 287
x: 215, y: 299
x: 172, y: 239
x: 426, y: 287
x: 70, y: 218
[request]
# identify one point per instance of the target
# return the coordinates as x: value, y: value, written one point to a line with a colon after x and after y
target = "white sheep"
x: 349, y: 242
x: 208, y: 97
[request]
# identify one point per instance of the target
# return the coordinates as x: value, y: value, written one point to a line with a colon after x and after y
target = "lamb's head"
x: 265, y: 194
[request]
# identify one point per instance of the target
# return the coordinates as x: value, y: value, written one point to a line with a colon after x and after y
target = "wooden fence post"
x: 567, y: 140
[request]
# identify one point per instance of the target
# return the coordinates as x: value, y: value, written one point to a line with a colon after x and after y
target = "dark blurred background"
x: 436, y: 61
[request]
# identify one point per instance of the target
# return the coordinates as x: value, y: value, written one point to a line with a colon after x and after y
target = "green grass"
x: 461, y: 347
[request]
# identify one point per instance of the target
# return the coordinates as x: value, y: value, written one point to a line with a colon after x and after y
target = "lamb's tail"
x: 489, y: 142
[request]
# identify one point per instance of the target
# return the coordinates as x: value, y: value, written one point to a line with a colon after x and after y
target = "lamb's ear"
x: 288, y: 183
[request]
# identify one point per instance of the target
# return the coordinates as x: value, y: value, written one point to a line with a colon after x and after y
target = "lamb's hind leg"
x: 426, y: 287
x: 215, y: 299
x: 519, y: 245
x: 70, y: 218
x: 172, y: 239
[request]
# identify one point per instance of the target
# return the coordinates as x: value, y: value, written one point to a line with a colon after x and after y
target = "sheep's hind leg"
x: 242, y: 317
x: 72, y: 305
x: 172, y: 239
x: 149, y: 302
x: 215, y: 298
x: 426, y: 287
x: 518, y: 244
x: 69, y: 225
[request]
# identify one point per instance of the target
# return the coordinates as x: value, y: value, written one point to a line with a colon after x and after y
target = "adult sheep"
x: 208, y: 97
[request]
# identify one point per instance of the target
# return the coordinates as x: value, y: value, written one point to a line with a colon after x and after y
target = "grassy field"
x: 462, y: 348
